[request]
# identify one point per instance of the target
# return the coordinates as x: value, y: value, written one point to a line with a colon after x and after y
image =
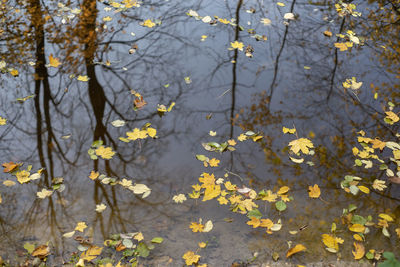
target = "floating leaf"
x: 148, y: 23
x: 157, y: 240
x: 91, y: 253
x: 280, y: 205
x: 80, y: 226
x: 53, y: 61
x: 208, y: 226
x: 196, y: 227
x: 83, y: 78
x: 359, y: 250
x: 118, y: 123
x: 302, y: 144
x: 44, y: 193
x: 29, y: 247
x: 100, y: 208
x: 105, y: 152
x: 314, y: 191
x: 296, y: 249
x: 179, y: 198
x: 69, y: 234
x: 41, y: 251
x: 190, y: 258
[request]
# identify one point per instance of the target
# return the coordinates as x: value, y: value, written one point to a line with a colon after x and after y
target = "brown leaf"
x: 10, y: 166
x: 139, y: 102
x: 395, y: 180
x: 41, y: 251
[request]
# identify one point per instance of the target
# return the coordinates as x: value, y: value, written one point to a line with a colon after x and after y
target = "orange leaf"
x: 314, y: 192
x: 295, y: 249
x: 53, y: 61
x: 359, y: 251
x: 10, y: 166
x: 254, y: 222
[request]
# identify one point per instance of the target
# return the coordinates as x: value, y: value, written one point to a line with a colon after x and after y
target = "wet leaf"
x: 118, y: 123
x: 358, y: 251
x: 69, y: 234
x: 100, y: 208
x: 196, y: 227
x: 83, y: 78
x: 296, y: 249
x: 105, y: 152
x: 91, y: 253
x: 157, y: 240
x: 190, y: 258
x: 179, y: 198
x: 379, y: 185
x: 301, y: 144
x: 53, y: 61
x: 3, y: 121
x: 41, y: 251
x: 214, y: 162
x: 148, y: 23
x: 208, y: 226
x: 80, y: 226
x: 280, y: 205
x: 358, y: 228
x: 237, y: 45
x: 22, y: 176
x: 44, y: 193
x: 94, y: 175
x: 8, y: 183
x: 314, y: 191
x: 10, y: 166
x: 29, y: 247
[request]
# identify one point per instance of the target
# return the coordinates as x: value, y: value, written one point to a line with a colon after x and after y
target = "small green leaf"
x: 29, y: 247
x: 97, y: 143
x: 254, y: 213
x: 157, y: 240
x: 143, y: 250
x: 280, y: 205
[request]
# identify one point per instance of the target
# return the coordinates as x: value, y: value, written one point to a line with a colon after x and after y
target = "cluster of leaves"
x: 143, y: 133
x: 98, y: 150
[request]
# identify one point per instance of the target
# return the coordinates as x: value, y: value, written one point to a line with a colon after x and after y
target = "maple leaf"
x: 179, y: 198
x: 248, y: 204
x: 224, y: 21
x: 232, y: 142
x: 148, y: 23
x: 301, y: 144
x: 196, y: 227
x: 229, y: 186
x: 41, y: 252
x: 391, y: 117
x: 242, y: 137
x: 44, y: 193
x: 53, y: 61
x: 202, y: 244
x: 376, y: 143
x: 379, y: 185
x: 190, y: 258
x: 80, y: 226
x: 3, y: 121
x: 211, y: 192
x: 287, y: 130
x: 196, y: 187
x: 237, y: 45
x: 314, y: 192
x: 255, y: 222
x: 91, y: 253
x: 22, y: 176
x: 359, y: 250
x: 296, y: 249
x: 222, y: 200
x: 270, y: 197
x: 139, y: 236
x: 207, y: 179
x: 137, y: 134
x: 214, y: 162
x: 126, y: 183
x: 93, y: 175
x: 151, y: 132
x: 331, y: 241
x: 266, y: 223
x: 105, y: 152
x: 100, y: 208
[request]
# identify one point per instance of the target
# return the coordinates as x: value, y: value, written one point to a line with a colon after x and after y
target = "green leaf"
x: 369, y: 255
x: 357, y: 219
x: 254, y: 213
x: 390, y: 261
x: 29, y: 247
x: 97, y: 143
x: 128, y: 252
x: 352, y: 207
x: 201, y: 157
x: 127, y: 243
x: 280, y: 205
x: 358, y: 162
x: 143, y: 250
x: 157, y: 240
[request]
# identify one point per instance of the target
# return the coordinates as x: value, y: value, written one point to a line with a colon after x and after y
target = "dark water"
x: 294, y: 78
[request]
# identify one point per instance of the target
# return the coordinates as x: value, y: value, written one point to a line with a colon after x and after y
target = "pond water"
x: 289, y: 73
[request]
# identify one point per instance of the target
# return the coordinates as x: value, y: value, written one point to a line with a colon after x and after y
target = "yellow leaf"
x: 237, y: 45
x: 341, y: 46
x: 211, y: 192
x: 222, y: 200
x: 363, y: 189
x: 376, y: 143
x: 108, y: 18
x: 229, y: 186
x: 248, y: 204
x: 386, y: 217
x: 359, y: 251
x: 392, y: 116
x: 398, y: 232
x: 330, y: 241
x: 44, y: 193
x: 202, y: 245
x: 105, y: 152
x: 232, y: 142
x: 242, y: 137
x: 355, y: 151
x: 214, y: 162
x: 83, y: 78
x: 196, y: 227
x: 190, y: 258
x: 3, y: 121
x: 270, y: 197
x: 14, y: 72
x: 212, y: 133
x: 224, y: 21
x: 280, y: 4
x: 41, y: 251
x: 287, y: 130
x: 357, y: 237
x: 328, y: 33
x: 91, y: 253
x: 93, y: 175
x: 152, y: 132
x: 379, y: 185
x: 179, y: 198
x: 80, y: 226
x: 301, y: 144
x: 148, y: 23
x: 296, y: 249
x: 283, y: 190
x: 8, y: 183
x: 266, y: 223
x: 138, y: 134
x: 255, y: 222
x: 358, y: 228
x: 22, y: 176
x: 138, y: 236
x: 314, y: 191
x: 53, y: 61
